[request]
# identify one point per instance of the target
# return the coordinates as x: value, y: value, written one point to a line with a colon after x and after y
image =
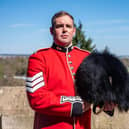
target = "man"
x: 50, y: 80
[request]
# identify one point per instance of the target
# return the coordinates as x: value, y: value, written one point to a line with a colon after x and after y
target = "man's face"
x: 63, y: 30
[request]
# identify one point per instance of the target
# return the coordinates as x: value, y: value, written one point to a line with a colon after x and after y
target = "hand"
x: 86, y: 106
x: 109, y: 106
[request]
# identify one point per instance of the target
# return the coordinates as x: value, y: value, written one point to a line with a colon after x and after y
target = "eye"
x: 58, y: 25
x: 69, y: 26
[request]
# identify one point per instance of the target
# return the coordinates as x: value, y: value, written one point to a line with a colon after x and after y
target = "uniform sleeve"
x: 41, y: 99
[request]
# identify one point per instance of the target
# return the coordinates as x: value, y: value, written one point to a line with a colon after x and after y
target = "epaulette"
x: 83, y: 50
x: 43, y: 49
x: 40, y: 50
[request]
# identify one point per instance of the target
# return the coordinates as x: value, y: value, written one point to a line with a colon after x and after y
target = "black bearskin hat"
x: 102, y: 77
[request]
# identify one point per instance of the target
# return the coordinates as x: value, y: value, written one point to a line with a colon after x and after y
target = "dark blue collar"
x: 62, y: 49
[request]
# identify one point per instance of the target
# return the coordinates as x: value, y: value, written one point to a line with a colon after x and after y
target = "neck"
x: 68, y: 45
x: 62, y: 44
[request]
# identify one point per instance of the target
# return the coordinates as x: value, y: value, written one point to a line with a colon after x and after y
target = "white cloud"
x: 112, y: 29
x: 20, y: 25
x: 108, y: 22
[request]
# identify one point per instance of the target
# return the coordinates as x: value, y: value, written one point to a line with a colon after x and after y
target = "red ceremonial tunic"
x: 51, y: 91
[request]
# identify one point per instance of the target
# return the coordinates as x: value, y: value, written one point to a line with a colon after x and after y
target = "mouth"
x: 64, y: 36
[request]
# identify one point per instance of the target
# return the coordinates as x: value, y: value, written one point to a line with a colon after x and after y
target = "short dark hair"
x: 59, y: 14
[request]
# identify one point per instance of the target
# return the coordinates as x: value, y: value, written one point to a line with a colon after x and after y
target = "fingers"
x: 109, y: 106
x: 86, y: 106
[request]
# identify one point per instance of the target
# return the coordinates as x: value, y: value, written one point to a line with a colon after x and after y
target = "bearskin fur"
x: 102, y: 77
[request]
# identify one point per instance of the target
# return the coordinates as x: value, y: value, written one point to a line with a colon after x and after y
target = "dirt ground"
x: 103, y: 121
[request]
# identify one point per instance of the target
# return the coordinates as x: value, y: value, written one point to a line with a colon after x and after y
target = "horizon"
x: 28, y: 54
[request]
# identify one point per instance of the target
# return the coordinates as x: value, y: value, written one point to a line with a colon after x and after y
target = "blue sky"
x: 24, y: 24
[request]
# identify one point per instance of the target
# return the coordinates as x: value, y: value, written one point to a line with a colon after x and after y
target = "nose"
x: 64, y: 28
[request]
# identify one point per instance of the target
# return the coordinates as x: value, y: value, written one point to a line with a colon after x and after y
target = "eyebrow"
x: 61, y: 25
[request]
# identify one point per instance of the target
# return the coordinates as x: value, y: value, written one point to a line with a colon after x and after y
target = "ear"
x: 51, y: 30
x: 74, y: 32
